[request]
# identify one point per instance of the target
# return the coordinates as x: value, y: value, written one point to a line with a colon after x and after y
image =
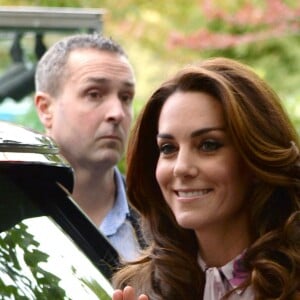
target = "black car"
x: 49, y: 249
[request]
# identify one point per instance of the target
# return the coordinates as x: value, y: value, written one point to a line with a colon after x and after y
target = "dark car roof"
x: 20, y: 146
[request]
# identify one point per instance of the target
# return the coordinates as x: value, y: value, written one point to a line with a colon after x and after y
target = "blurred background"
x: 161, y: 36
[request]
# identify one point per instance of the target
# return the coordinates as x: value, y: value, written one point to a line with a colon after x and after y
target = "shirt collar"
x: 233, y: 272
x: 117, y: 215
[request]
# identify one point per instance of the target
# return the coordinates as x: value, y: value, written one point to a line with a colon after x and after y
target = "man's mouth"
x: 112, y: 137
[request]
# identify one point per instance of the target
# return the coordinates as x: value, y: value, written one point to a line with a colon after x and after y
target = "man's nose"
x: 115, y: 110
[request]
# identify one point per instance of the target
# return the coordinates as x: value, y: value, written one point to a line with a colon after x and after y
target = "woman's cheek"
x: 161, y: 174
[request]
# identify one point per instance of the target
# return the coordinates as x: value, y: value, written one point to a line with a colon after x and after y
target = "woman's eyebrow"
x: 193, y: 134
x: 164, y: 136
x: 206, y: 130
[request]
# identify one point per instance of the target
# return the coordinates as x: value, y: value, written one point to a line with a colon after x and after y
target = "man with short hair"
x: 85, y: 86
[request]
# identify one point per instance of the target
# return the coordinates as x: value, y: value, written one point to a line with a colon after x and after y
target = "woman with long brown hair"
x: 214, y: 171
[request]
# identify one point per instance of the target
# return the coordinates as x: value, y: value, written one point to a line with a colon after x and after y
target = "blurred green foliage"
x: 148, y: 29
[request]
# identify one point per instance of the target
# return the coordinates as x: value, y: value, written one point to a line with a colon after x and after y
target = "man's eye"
x: 210, y: 145
x: 126, y: 98
x: 167, y: 148
x: 94, y: 95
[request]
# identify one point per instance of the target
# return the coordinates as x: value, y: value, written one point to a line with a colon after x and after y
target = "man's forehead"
x: 101, y: 65
x: 101, y: 55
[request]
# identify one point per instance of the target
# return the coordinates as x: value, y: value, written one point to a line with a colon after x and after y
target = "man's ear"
x: 44, y: 104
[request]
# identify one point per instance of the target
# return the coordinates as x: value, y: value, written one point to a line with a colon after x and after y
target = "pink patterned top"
x: 221, y: 280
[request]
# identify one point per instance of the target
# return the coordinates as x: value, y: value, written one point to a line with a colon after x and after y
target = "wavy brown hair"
x: 268, y: 143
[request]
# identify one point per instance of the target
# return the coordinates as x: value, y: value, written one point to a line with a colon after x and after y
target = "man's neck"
x: 95, y: 193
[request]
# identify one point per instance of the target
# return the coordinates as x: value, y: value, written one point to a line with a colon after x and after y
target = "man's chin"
x: 110, y: 158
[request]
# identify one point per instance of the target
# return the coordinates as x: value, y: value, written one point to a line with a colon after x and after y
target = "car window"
x: 39, y: 258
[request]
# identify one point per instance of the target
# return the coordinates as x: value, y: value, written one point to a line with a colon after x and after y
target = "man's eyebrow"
x: 194, y: 133
x: 103, y: 80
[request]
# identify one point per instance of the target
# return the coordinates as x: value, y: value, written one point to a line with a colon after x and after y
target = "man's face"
x: 93, y: 111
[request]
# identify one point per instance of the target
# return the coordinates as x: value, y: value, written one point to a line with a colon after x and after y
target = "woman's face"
x: 201, y: 175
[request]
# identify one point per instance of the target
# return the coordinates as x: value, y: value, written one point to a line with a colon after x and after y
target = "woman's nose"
x: 185, y: 165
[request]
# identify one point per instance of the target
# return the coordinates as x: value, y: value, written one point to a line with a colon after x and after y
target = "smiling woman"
x: 200, y: 173
x: 219, y: 156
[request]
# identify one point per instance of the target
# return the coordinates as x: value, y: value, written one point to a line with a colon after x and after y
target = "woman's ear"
x: 44, y: 106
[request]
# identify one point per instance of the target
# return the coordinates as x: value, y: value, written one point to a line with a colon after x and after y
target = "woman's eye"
x: 166, y: 148
x: 210, y: 145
